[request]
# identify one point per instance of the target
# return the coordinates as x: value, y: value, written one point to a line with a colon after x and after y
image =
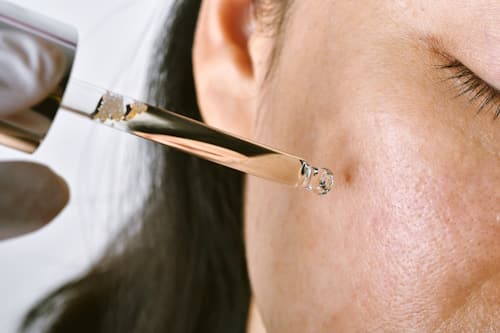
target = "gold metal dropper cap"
x: 36, y: 58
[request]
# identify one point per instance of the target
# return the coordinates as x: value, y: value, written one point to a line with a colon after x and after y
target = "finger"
x: 31, y: 195
x: 30, y: 69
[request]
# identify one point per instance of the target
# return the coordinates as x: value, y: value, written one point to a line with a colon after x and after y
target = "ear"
x: 223, y: 67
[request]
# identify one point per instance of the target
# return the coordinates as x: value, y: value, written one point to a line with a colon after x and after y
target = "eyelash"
x: 470, y: 84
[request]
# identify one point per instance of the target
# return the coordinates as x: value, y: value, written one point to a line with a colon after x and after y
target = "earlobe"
x: 223, y: 65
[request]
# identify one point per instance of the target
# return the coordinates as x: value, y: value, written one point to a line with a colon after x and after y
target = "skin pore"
x: 408, y: 240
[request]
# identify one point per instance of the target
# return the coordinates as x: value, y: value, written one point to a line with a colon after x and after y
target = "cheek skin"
x: 409, y: 237
x: 432, y: 224
x: 433, y: 221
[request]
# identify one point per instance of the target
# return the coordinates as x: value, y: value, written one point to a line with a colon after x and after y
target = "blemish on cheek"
x: 348, y: 177
x: 349, y: 173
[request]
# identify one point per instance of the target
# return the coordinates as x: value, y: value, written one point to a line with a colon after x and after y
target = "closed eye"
x: 477, y: 90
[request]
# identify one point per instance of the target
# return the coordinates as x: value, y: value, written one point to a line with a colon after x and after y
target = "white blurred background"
x: 105, y: 169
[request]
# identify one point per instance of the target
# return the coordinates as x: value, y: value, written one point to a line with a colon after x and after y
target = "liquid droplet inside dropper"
x: 112, y: 107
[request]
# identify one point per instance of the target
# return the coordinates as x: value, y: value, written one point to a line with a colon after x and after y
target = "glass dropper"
x: 193, y: 137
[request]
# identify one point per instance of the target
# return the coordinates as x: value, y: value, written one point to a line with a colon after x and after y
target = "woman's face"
x: 409, y: 239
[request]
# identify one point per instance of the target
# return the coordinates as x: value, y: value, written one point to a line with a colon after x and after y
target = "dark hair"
x: 184, y: 270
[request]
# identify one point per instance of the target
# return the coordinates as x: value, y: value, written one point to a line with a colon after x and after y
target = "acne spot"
x: 348, y: 177
x: 349, y: 173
